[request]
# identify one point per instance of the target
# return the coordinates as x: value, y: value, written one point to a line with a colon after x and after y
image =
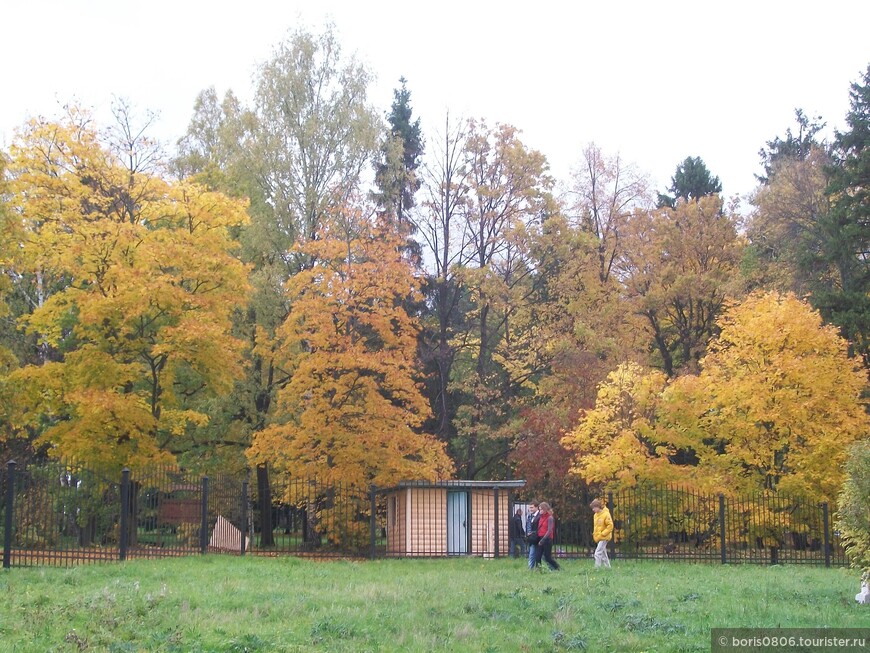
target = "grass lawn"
x: 235, y: 605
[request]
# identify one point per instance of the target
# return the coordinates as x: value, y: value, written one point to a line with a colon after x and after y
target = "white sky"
x: 653, y: 81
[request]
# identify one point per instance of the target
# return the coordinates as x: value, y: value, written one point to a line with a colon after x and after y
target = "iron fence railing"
x: 58, y: 513
x: 308, y: 517
x: 672, y: 522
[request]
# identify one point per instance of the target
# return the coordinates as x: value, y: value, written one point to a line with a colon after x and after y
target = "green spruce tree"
x: 843, y: 295
x: 691, y: 181
x: 401, y: 152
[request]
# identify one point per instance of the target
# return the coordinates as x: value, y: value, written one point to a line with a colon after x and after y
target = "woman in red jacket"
x: 546, y: 531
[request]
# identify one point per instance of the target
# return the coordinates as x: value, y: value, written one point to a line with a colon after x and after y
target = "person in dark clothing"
x: 546, y: 533
x: 517, y: 534
x: 532, y: 533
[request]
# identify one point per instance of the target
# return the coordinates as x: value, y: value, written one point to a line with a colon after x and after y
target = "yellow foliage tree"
x: 10, y: 233
x: 776, y: 406
x: 351, y: 410
x: 615, y: 441
x: 138, y: 327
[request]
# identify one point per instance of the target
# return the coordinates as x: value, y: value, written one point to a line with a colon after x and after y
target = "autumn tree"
x: 352, y: 408
x: 603, y: 195
x: 566, y: 266
x: 677, y: 265
x: 440, y: 229
x: 808, y: 232
x: 586, y: 331
x: 616, y: 441
x: 15, y: 445
x: 776, y: 406
x: 351, y: 411
x: 784, y: 228
x: 580, y: 313
x: 482, y: 188
x: 10, y: 234
x: 507, y: 184
x: 138, y: 335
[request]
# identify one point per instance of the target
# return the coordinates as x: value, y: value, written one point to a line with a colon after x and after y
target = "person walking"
x: 546, y: 534
x: 517, y: 534
x: 602, y: 531
x: 532, y: 533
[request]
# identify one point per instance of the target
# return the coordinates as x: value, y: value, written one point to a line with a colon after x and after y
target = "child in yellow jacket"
x: 602, y: 531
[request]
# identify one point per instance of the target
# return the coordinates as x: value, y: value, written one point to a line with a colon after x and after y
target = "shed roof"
x: 459, y: 484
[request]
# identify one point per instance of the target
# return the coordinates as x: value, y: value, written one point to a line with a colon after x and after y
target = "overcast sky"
x: 653, y: 81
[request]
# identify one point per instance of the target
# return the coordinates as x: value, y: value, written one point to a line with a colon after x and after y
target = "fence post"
x: 244, y: 529
x: 469, y: 532
x: 722, y: 551
x: 10, y: 503
x: 827, y: 526
x: 373, y: 525
x: 203, y: 519
x: 612, y: 509
x: 125, y: 512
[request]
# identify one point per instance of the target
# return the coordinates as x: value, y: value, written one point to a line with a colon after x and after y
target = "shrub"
x: 853, y: 515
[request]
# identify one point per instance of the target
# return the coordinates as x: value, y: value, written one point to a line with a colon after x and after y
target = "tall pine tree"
x: 401, y: 152
x: 843, y: 297
x: 794, y: 147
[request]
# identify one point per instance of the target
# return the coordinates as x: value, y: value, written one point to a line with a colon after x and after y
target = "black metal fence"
x: 672, y: 522
x: 62, y: 514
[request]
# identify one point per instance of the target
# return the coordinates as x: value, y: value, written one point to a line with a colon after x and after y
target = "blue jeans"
x: 533, y: 550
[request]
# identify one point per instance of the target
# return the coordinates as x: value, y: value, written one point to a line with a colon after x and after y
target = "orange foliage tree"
x: 352, y: 407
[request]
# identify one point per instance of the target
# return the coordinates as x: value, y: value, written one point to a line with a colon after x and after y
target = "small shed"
x: 447, y: 518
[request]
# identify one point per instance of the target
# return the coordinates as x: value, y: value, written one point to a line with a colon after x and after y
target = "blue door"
x: 457, y: 523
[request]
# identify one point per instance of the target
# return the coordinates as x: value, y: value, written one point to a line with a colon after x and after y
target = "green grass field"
x: 233, y: 605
